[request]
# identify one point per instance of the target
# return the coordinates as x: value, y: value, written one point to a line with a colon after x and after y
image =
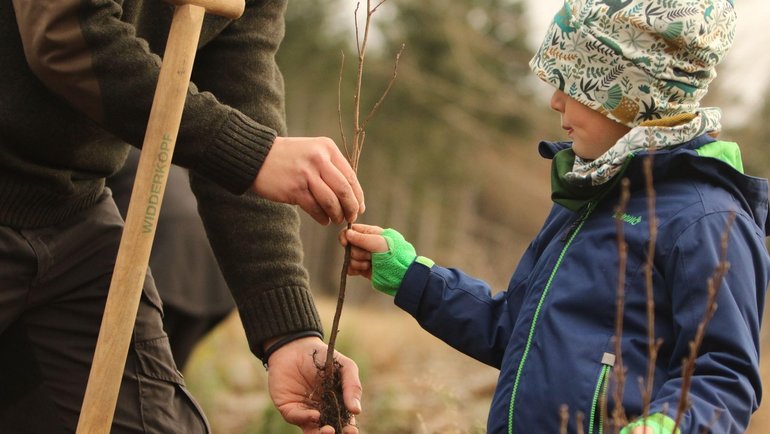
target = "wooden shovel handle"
x: 226, y: 8
x: 136, y: 243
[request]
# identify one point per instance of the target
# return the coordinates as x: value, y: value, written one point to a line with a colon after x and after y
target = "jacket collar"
x: 718, y: 161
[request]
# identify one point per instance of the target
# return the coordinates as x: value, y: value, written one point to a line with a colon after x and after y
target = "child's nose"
x: 557, y: 101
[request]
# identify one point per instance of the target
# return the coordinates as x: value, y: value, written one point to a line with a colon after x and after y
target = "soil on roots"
x: 328, y: 399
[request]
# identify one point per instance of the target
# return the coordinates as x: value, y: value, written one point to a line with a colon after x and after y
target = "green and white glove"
x: 389, y: 268
x: 658, y: 422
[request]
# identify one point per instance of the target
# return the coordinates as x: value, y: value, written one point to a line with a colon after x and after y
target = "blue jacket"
x: 551, y: 332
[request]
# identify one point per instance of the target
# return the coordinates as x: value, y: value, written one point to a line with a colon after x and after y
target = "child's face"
x: 591, y: 132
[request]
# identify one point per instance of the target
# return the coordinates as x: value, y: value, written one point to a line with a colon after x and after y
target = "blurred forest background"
x: 451, y: 161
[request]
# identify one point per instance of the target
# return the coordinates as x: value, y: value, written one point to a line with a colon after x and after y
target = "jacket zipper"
x: 578, y: 225
x: 600, y: 394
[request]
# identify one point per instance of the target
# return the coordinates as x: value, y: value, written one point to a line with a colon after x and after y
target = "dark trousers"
x: 186, y: 330
x: 53, y: 287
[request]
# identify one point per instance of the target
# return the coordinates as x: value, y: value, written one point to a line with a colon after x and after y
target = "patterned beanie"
x: 636, y: 60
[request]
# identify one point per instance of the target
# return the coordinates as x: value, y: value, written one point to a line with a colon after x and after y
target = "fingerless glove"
x: 659, y: 422
x: 389, y: 268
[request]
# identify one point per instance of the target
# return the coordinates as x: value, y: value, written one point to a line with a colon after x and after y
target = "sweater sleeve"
x: 86, y: 54
x: 256, y: 241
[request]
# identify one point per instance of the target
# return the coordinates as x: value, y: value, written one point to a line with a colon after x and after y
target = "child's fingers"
x: 364, y: 271
x: 367, y: 240
x: 360, y: 254
x: 364, y: 274
x: 351, y: 428
x: 367, y: 229
x: 361, y: 228
x: 359, y: 267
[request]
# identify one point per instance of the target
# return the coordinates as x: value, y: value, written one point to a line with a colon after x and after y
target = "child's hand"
x: 381, y: 255
x: 656, y: 423
x: 364, y: 240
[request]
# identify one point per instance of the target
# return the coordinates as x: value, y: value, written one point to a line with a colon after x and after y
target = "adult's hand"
x: 311, y: 172
x: 293, y: 376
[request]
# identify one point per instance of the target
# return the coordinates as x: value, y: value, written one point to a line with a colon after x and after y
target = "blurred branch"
x: 392, y: 80
x: 653, y: 344
x: 713, y: 284
x: 618, y: 371
x: 359, y: 136
x: 579, y: 422
x: 564, y: 415
x: 339, y: 106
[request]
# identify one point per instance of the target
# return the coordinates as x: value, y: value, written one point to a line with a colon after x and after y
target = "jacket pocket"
x: 599, y: 402
x: 165, y: 404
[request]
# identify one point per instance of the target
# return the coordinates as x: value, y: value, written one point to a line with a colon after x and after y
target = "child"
x: 629, y: 77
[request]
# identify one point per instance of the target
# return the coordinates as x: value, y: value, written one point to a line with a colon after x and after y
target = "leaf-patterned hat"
x: 636, y: 60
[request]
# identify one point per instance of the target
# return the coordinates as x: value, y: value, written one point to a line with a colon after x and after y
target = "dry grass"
x: 413, y: 383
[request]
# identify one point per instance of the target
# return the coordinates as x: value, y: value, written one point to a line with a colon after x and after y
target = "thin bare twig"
x: 355, y: 21
x: 713, y: 284
x: 329, y: 365
x: 717, y: 414
x: 360, y: 148
x: 579, y: 422
x: 359, y: 136
x: 653, y: 344
x: 339, y: 106
x: 377, y: 6
x: 619, y: 418
x: 564, y: 415
x: 392, y: 80
x: 360, y: 75
x: 603, y: 418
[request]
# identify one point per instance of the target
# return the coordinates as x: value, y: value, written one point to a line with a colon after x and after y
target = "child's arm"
x: 451, y: 305
x: 383, y: 250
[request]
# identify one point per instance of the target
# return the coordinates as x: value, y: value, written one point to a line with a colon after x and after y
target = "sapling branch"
x: 359, y: 136
x: 339, y: 105
x: 329, y: 369
x: 653, y: 344
x: 579, y: 417
x: 618, y: 370
x: 392, y: 80
x: 713, y: 284
x: 708, y: 428
x: 564, y: 417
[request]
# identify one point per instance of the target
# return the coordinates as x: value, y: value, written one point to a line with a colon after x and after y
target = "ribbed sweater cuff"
x: 237, y: 153
x: 24, y: 205
x: 277, y: 313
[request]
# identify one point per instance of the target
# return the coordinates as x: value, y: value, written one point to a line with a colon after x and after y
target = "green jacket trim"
x: 728, y: 152
x: 573, y: 196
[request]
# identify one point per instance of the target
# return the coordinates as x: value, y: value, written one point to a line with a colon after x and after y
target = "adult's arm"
x: 259, y: 251
x: 83, y: 52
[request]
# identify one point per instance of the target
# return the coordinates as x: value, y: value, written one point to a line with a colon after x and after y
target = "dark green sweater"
x: 78, y: 78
